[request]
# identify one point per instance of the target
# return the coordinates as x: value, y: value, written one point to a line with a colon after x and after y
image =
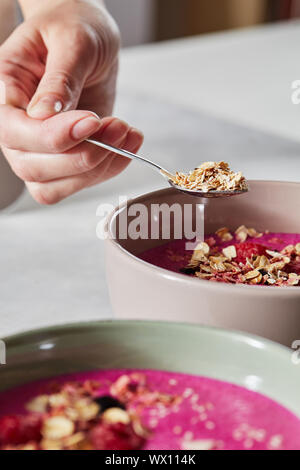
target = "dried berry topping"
x: 118, y: 436
x: 15, y: 430
x: 107, y: 401
x: 10, y: 430
x: 246, y: 250
x: 187, y: 270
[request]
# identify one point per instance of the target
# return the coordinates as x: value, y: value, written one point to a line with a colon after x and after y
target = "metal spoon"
x: 166, y: 174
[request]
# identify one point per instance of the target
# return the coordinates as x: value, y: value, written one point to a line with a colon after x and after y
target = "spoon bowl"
x: 208, y: 194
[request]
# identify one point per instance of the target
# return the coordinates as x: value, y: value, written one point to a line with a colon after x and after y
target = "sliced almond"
x: 276, y: 266
x: 241, y: 228
x: 262, y: 261
x: 206, y: 269
x: 198, y: 256
x: 231, y: 268
x: 274, y: 254
x: 256, y: 280
x: 204, y: 275
x: 241, y: 233
x: 217, y: 259
x: 219, y: 267
x: 252, y: 274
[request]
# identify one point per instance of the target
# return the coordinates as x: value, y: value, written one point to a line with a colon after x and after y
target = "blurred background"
x: 143, y: 21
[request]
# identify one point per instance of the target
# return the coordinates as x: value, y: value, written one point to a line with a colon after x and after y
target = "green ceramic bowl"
x: 250, y: 361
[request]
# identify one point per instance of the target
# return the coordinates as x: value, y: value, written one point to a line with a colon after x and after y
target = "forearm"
x: 30, y: 7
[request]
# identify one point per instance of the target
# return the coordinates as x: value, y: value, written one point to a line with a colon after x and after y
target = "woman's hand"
x: 62, y: 58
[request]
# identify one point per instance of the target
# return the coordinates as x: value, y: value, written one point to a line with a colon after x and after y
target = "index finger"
x: 57, y: 134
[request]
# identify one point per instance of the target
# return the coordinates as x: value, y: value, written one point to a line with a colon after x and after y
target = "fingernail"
x: 45, y: 107
x: 85, y: 128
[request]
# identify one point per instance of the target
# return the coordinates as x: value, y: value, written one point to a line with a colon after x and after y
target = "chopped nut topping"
x: 116, y: 415
x: 204, y: 276
x: 261, y: 262
x: 211, y: 176
x: 73, y: 416
x: 224, y: 234
x: 293, y: 279
x: 29, y: 447
x: 51, y: 444
x: 57, y: 427
x: 229, y: 252
x: 57, y: 400
x: 203, y: 247
x: 38, y: 404
x: 86, y: 410
x: 270, y: 268
x: 74, y: 440
x: 253, y: 233
x: 138, y: 427
x: 241, y: 233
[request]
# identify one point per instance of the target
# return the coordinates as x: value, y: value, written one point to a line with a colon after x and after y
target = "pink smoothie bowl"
x: 140, y: 290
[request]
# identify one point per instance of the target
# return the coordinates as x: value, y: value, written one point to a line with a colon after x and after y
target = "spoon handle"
x: 133, y: 156
x: 123, y: 153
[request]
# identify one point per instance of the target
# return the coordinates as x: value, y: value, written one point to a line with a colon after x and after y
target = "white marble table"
x: 224, y: 95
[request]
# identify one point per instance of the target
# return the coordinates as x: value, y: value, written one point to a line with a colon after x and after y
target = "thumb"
x: 61, y: 85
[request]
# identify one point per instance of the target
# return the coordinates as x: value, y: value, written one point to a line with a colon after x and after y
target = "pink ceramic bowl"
x: 139, y: 290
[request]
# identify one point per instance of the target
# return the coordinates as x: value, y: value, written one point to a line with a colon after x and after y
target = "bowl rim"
x: 255, y: 347
x: 229, y: 288
x: 18, y: 339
